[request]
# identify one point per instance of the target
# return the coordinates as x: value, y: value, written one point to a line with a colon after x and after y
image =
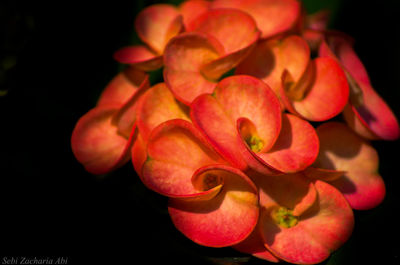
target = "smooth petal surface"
x: 122, y: 87
x: 272, y: 16
x: 270, y: 58
x: 224, y: 220
x: 296, y: 148
x: 184, y: 56
x: 96, y: 143
x: 341, y: 149
x: 234, y: 29
x: 367, y: 113
x: 175, y: 150
x: 156, y: 106
x: 320, y: 230
x: 235, y: 98
x: 138, y: 152
x: 327, y: 94
x: 191, y: 9
x: 140, y: 56
x: 155, y: 25
x: 254, y: 245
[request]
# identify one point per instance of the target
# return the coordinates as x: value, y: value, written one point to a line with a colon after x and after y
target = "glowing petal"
x: 224, y: 220
x: 139, y: 56
x: 323, y: 228
x: 343, y: 150
x: 184, y: 56
x: 156, y: 106
x: 272, y: 16
x: 175, y: 151
x: 367, y: 113
x: 326, y: 94
x: 96, y: 143
x: 296, y: 148
x: 155, y: 25
x: 122, y: 87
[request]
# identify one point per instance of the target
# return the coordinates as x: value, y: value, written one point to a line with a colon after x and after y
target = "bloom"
x: 229, y: 135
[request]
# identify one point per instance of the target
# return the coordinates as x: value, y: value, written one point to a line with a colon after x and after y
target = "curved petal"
x: 234, y: 29
x: 183, y: 58
x: 224, y: 220
x: 296, y: 148
x: 374, y: 115
x: 270, y: 58
x: 326, y: 95
x: 140, y: 56
x: 138, y: 152
x: 191, y: 9
x: 122, y: 87
x: 175, y: 150
x: 343, y: 150
x: 272, y: 16
x: 254, y: 245
x: 292, y: 191
x: 155, y: 25
x: 367, y: 113
x: 319, y: 231
x: 96, y: 143
x: 235, y: 98
x: 156, y: 106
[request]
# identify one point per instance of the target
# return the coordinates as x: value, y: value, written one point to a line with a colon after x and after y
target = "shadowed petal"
x: 184, y: 56
x: 139, y: 56
x: 272, y: 16
x: 155, y: 25
x: 175, y: 150
x: 341, y: 149
x: 96, y: 143
x: 225, y: 219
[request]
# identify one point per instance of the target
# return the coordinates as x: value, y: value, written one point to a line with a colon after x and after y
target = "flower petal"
x: 272, y: 16
x: 155, y: 25
x: 326, y: 95
x: 270, y: 58
x: 175, y: 150
x: 235, y: 98
x: 254, y: 245
x: 139, y: 56
x: 156, y: 106
x: 367, y: 113
x: 122, y: 87
x: 96, y: 143
x: 319, y: 231
x: 234, y: 29
x: 343, y: 150
x: 184, y: 56
x: 224, y: 220
x: 296, y: 148
x: 191, y: 9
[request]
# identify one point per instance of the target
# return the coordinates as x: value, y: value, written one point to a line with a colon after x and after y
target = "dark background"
x: 55, y: 60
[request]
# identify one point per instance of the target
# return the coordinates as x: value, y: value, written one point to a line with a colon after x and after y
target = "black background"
x: 51, y: 207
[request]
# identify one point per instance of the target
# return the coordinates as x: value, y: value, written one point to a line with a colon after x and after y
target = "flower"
x: 229, y: 134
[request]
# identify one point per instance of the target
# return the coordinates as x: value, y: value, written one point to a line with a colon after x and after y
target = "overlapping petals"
x: 206, y: 194
x: 315, y: 90
x: 353, y: 164
x: 226, y: 136
x: 243, y: 120
x: 367, y: 113
x: 301, y: 221
x: 218, y: 40
x: 102, y: 138
x: 272, y: 16
x: 156, y: 106
x: 155, y: 26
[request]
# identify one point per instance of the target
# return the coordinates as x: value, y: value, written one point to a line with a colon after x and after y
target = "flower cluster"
x: 236, y: 153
